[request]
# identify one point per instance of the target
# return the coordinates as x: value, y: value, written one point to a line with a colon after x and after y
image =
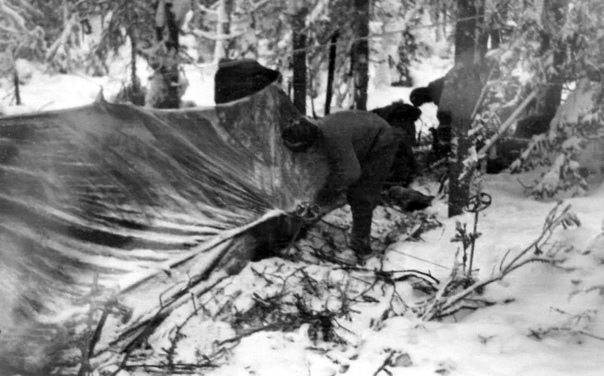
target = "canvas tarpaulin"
x: 121, y: 195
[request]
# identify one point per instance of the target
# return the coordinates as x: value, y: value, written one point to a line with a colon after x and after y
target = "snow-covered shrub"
x: 460, y: 292
x: 564, y: 150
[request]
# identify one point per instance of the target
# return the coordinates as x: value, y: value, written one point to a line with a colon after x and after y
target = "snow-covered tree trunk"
x: 461, y: 93
x: 360, y: 54
x: 298, y: 12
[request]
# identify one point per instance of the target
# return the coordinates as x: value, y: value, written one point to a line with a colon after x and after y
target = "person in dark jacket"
x: 403, y: 116
x: 360, y: 148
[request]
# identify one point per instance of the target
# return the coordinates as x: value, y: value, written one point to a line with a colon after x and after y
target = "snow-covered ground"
x: 545, y: 320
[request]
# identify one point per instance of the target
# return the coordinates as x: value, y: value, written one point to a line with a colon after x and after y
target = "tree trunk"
x: 495, y: 36
x: 331, y: 71
x: 164, y: 86
x: 17, y: 87
x: 225, y: 8
x: 460, y: 103
x: 444, y: 23
x: 360, y: 52
x: 461, y: 93
x: 551, y: 97
x: 436, y: 19
x: 466, y: 32
x: 136, y: 96
x: 496, y: 23
x: 298, y: 15
x: 480, y: 32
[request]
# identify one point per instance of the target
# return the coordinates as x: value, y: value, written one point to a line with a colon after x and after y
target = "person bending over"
x: 360, y: 148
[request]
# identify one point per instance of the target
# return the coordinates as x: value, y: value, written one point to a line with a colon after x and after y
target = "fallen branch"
x: 269, y: 327
x: 387, y: 362
x: 173, y: 368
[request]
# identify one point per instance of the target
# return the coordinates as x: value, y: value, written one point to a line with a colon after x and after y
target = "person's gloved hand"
x: 307, y: 211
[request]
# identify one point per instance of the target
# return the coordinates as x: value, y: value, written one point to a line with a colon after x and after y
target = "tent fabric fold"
x: 117, y: 194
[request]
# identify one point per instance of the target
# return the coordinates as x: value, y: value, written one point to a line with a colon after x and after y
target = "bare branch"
x: 258, y: 5
x: 216, y: 37
x: 387, y: 362
x: 17, y: 19
x: 211, y: 9
x: 443, y: 303
x: 63, y: 38
x: 506, y: 125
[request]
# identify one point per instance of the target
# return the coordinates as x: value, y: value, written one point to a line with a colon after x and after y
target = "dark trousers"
x: 364, y: 195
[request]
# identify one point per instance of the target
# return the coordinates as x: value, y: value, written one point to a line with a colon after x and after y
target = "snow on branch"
x: 63, y: 38
x: 216, y: 37
x: 12, y: 15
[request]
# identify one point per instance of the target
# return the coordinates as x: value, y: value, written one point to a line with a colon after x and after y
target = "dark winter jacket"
x: 349, y: 139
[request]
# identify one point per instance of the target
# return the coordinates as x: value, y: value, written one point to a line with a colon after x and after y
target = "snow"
x: 494, y: 340
x: 546, y: 320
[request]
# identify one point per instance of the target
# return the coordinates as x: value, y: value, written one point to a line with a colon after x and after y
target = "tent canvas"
x: 119, y: 200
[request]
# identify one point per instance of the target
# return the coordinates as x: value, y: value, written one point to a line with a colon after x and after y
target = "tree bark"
x: 331, y: 71
x: 298, y: 14
x: 360, y: 52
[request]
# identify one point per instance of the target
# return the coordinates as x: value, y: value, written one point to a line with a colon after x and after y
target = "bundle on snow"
x: 236, y: 79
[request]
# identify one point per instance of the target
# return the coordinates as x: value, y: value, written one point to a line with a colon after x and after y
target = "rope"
x: 421, y: 259
x: 328, y: 44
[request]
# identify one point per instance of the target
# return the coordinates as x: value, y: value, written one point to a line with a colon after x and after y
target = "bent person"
x: 360, y: 148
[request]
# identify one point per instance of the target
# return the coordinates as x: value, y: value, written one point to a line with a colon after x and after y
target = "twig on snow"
x: 387, y: 362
